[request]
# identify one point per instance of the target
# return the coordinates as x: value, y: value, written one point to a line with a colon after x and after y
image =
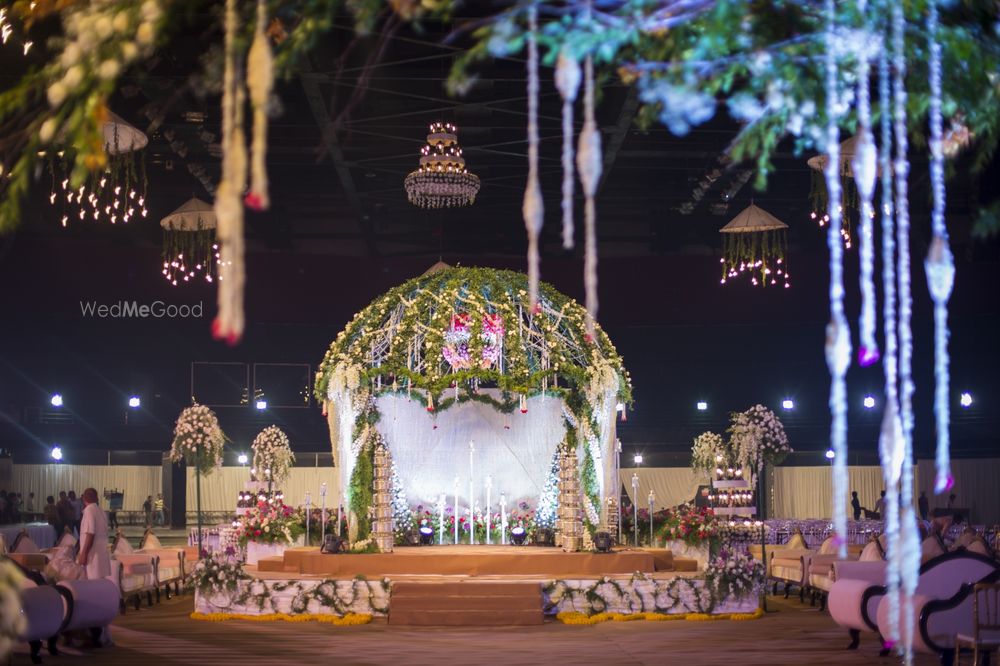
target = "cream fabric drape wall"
x: 136, y: 481
x: 220, y: 489
x: 977, y: 487
x: 807, y: 492
x: 672, y: 485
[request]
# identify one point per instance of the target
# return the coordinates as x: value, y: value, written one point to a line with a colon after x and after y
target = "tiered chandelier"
x: 441, y: 180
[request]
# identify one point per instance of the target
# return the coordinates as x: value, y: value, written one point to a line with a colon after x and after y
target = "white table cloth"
x: 41, y: 533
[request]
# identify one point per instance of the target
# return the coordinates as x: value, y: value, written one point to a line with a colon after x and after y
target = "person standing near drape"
x: 94, y: 538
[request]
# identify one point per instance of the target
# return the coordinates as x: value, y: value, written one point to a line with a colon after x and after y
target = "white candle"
x: 456, y: 510
x: 503, y: 519
x: 441, y: 502
x: 472, y: 493
x: 489, y: 486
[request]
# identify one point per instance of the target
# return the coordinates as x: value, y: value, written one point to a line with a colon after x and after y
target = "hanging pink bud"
x: 868, y: 356
x: 254, y: 201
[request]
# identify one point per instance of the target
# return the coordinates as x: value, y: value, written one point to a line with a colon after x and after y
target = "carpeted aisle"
x: 164, y: 634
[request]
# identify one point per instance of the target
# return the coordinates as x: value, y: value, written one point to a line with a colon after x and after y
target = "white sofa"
x: 822, y: 574
x: 44, y: 611
x: 942, y: 603
x: 170, y: 566
x: 135, y: 572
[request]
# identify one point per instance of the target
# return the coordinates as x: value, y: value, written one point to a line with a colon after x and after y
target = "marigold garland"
x: 350, y: 619
x: 573, y: 617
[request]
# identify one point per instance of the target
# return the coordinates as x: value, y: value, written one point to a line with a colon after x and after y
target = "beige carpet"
x: 164, y: 634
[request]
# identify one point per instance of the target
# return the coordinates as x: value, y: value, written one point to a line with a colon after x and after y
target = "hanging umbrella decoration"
x: 754, y: 242
x: 116, y: 194
x: 849, y: 192
x: 189, y: 246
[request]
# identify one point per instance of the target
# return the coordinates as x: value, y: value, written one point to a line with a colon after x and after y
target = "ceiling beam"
x: 328, y: 130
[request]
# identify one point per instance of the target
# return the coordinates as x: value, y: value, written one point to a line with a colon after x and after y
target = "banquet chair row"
x: 50, y: 610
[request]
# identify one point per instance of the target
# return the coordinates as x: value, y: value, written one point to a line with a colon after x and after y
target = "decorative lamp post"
x: 442, y: 501
x: 503, y: 519
x: 456, y: 511
x: 472, y: 493
x: 489, y: 487
x: 652, y: 499
x: 635, y: 508
x: 308, y: 505
x: 322, y: 514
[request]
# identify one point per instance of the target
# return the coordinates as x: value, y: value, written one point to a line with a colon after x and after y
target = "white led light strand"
x: 838, y: 334
x: 589, y: 165
x: 939, y: 266
x: 533, y: 208
x: 909, y: 548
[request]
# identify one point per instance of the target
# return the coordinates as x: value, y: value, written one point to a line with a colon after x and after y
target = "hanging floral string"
x: 228, y: 325
x: 909, y: 550
x: 533, y: 209
x: 260, y: 81
x: 568, y: 82
x: 838, y: 334
x: 891, y: 436
x: 939, y: 265
x: 863, y: 166
x: 588, y: 162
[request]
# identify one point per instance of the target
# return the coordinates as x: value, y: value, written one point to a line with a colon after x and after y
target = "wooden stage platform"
x: 463, y: 560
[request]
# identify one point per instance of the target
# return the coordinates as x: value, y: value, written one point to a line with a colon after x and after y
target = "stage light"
x: 262, y: 404
x: 545, y: 536
x: 965, y: 400
x: 603, y: 542
x: 702, y: 405
x: 637, y: 459
x: 134, y: 402
x: 56, y: 453
x: 830, y: 454
x: 56, y: 400
x: 869, y: 402
x: 788, y: 403
x: 518, y: 535
x: 426, y: 535
x: 242, y: 459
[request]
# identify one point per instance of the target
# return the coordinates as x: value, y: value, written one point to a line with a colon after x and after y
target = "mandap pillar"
x: 570, y: 524
x: 382, y: 501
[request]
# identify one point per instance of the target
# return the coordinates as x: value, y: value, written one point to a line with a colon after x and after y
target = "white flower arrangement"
x: 757, y: 436
x: 217, y: 574
x: 706, y: 450
x: 734, y: 575
x: 272, y: 451
x: 11, y: 619
x: 198, y: 439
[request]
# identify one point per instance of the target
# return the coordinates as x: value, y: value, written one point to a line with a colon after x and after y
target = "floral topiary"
x: 198, y: 439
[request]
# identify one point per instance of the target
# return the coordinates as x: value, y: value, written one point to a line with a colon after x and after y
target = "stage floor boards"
x: 468, y: 561
x: 165, y: 635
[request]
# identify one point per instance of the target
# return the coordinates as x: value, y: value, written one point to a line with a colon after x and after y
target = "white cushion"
x: 26, y: 545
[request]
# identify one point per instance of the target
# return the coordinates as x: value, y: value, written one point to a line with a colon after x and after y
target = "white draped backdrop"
x: 799, y: 492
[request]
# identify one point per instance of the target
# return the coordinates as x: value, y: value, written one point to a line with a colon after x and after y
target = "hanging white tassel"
x: 568, y: 83
x: 588, y: 163
x: 865, y: 173
x: 229, y: 322
x: 260, y: 81
x: 939, y: 265
x: 838, y: 335
x: 533, y: 209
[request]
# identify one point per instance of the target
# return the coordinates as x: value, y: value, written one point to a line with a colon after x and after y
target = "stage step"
x: 466, y: 604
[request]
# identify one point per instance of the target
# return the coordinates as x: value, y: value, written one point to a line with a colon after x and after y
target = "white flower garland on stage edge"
x: 198, y: 439
x: 272, y: 451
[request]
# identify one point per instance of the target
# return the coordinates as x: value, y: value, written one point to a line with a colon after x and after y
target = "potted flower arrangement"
x: 217, y: 577
x: 708, y: 452
x: 198, y: 439
x: 267, y: 529
x: 757, y: 436
x: 272, y: 452
x: 689, y: 532
x: 735, y: 579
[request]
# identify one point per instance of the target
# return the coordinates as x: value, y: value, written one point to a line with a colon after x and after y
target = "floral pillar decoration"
x: 260, y: 81
x: 568, y: 83
x: 570, y: 525
x: 533, y: 208
x: 754, y: 242
x: 838, y: 334
x: 588, y: 163
x: 198, y: 441
x: 382, y: 500
x: 272, y: 451
x: 189, y: 247
x: 939, y: 266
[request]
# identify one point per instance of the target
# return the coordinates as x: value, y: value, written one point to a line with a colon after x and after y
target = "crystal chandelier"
x: 441, y: 180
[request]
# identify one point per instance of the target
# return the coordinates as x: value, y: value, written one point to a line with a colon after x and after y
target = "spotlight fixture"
x: 702, y: 405
x: 869, y: 402
x: 262, y: 404
x: 965, y: 399
x: 637, y: 459
x: 830, y: 454
x: 56, y: 453
x: 788, y: 403
x: 603, y: 542
x: 242, y: 459
x: 56, y: 400
x: 518, y: 535
x: 545, y: 536
x: 135, y: 402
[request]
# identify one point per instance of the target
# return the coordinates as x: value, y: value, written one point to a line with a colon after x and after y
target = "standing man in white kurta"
x: 94, y: 538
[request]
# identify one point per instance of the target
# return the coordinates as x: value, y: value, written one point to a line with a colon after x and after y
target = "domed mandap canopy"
x: 450, y: 394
